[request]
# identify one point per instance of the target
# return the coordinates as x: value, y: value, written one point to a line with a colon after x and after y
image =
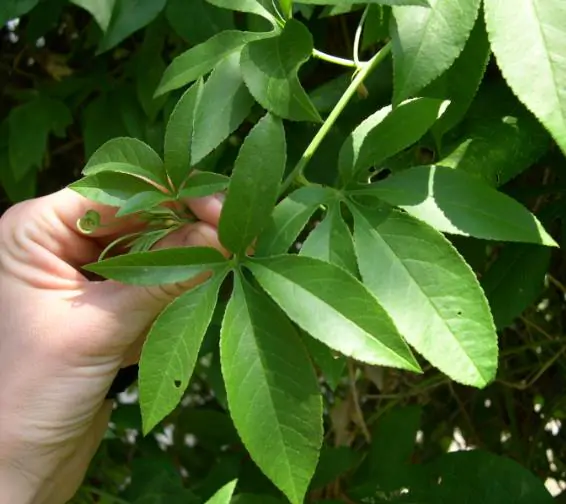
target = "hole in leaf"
x: 178, y: 383
x: 380, y: 175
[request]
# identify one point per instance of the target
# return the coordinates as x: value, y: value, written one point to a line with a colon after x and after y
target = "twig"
x: 356, y: 399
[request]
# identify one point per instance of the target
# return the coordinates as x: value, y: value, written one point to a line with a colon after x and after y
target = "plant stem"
x: 358, y: 36
x: 334, y: 59
x: 358, y: 79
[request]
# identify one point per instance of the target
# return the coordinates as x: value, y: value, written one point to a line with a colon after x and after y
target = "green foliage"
x: 389, y: 187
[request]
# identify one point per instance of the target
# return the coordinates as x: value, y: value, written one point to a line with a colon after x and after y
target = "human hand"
x: 63, y: 338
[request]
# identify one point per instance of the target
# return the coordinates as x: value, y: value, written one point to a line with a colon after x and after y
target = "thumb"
x: 134, y: 308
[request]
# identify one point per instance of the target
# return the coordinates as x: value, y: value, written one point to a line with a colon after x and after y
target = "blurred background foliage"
x: 72, y: 77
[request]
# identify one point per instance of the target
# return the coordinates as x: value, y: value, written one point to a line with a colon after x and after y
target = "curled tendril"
x: 89, y: 222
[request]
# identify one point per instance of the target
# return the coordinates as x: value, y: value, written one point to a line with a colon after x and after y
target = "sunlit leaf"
x: 528, y: 40
x: 426, y: 41
x: 454, y: 202
x: 254, y: 185
x: 270, y: 66
x: 431, y: 294
x: 272, y: 389
x: 159, y: 267
x: 171, y: 349
x: 333, y: 307
x: 224, y: 105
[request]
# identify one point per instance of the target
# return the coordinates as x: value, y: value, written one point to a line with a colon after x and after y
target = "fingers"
x: 207, y: 209
x: 51, y: 223
x: 136, y: 307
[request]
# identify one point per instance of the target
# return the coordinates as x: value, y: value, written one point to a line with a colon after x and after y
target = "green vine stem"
x: 336, y: 60
x: 359, y: 78
x: 358, y: 36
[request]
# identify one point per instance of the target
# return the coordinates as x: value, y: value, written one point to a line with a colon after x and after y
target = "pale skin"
x: 63, y: 338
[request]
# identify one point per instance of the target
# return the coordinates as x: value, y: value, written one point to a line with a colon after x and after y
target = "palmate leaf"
x: 116, y: 154
x: 128, y: 16
x: 178, y: 134
x: 270, y: 66
x: 203, y: 184
x: 254, y: 185
x: 385, y: 133
x: 431, y: 294
x: 528, y: 40
x: 272, y: 389
x: 333, y: 307
x: 454, y: 202
x: 159, y: 267
x: 289, y: 218
x: 331, y: 241
x: 111, y: 188
x: 426, y: 41
x: 224, y: 104
x: 171, y: 349
x: 201, y: 59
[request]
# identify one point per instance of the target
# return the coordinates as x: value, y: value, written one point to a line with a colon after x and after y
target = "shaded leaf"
x: 388, y: 464
x: 197, y: 20
x: 272, y: 390
x: 453, y: 202
x: 490, y: 478
x: 171, y: 349
x: 426, y: 41
x: 423, y: 3
x: 128, y: 17
x: 12, y: 9
x: 515, y: 280
x: 331, y: 241
x: 289, y: 218
x: 497, y: 140
x: 431, y: 294
x: 178, y: 135
x: 528, y: 40
x: 201, y: 59
x: 101, y: 10
x: 224, y: 105
x: 270, y: 66
x: 250, y: 6
x: 204, y: 184
x: 330, y: 364
x: 159, y: 267
x: 385, y: 133
x: 143, y: 201
x: 254, y: 185
x: 461, y: 81
x: 333, y: 307
x: 29, y: 127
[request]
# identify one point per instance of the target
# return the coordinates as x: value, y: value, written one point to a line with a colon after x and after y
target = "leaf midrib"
x: 374, y: 232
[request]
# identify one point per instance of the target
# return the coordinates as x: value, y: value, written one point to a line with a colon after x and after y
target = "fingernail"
x: 220, y: 196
